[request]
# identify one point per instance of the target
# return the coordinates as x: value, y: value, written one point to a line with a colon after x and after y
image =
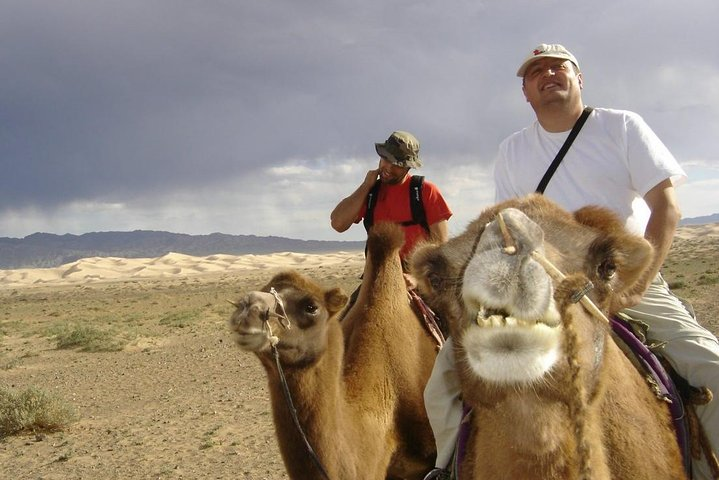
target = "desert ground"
x: 172, y: 397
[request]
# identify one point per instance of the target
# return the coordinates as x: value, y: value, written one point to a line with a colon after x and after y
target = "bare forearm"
x: 662, y: 223
x: 345, y: 213
x: 660, y: 233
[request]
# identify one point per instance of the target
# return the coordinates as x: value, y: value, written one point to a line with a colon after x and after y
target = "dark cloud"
x: 134, y: 104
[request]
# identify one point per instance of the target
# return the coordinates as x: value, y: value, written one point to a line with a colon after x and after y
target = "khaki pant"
x: 691, y: 349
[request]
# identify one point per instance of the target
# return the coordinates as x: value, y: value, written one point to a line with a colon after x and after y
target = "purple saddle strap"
x: 666, y: 385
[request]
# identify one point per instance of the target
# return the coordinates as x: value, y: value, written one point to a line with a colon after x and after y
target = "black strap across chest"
x: 563, y: 151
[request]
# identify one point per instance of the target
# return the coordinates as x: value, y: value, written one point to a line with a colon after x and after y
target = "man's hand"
x: 371, y: 177
x: 346, y: 212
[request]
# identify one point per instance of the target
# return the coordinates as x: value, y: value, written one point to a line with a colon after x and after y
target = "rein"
x: 285, y: 322
x: 578, y: 407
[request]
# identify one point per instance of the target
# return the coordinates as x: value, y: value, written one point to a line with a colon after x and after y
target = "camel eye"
x: 607, y: 269
x: 434, y: 280
x: 311, y: 308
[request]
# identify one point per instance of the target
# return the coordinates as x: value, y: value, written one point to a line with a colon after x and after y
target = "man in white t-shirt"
x: 618, y: 162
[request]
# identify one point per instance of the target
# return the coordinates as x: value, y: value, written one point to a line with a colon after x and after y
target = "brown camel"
x: 552, y: 396
x: 356, y: 385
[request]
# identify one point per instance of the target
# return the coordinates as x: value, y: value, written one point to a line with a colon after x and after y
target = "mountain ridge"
x: 713, y: 218
x: 44, y: 250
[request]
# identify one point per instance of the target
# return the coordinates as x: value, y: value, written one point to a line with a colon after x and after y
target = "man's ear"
x: 580, y: 79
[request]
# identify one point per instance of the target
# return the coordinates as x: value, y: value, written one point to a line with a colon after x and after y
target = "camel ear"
x: 631, y: 253
x: 430, y: 269
x: 599, y: 218
x: 335, y: 300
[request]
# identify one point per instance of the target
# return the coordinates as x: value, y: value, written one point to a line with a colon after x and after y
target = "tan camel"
x: 358, y: 394
x: 552, y: 395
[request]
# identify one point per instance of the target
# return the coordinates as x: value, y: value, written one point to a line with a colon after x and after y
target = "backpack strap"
x: 415, y: 203
x: 371, y: 203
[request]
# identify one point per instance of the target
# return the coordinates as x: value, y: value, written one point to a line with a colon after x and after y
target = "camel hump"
x: 384, y: 238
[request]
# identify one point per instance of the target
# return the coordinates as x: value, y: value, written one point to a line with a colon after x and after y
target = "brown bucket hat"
x: 401, y: 149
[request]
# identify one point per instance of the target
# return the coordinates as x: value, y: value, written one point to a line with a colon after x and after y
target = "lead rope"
x: 578, y: 407
x: 283, y: 381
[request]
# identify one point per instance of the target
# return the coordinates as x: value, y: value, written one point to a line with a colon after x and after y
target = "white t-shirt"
x: 614, y: 161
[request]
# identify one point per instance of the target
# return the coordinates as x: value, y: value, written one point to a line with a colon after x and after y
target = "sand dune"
x: 103, y: 269
x: 689, y: 232
x: 99, y: 269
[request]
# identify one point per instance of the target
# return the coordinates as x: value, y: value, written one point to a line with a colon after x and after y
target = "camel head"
x: 290, y: 310
x: 508, y: 316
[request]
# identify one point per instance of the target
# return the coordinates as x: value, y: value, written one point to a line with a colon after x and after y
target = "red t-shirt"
x: 393, y: 206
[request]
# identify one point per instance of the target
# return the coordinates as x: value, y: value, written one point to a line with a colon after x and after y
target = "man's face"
x: 551, y: 80
x: 390, y: 173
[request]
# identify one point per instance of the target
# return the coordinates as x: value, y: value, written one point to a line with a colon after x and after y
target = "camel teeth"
x: 481, y: 320
x: 490, y: 321
x: 511, y: 321
x: 497, y: 320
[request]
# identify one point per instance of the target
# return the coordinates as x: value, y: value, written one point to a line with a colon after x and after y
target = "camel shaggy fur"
x: 552, y: 396
x: 356, y: 385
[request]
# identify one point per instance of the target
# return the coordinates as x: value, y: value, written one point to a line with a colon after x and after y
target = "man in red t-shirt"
x: 397, y: 155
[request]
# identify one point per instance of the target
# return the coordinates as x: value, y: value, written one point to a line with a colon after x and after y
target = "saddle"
x: 669, y: 386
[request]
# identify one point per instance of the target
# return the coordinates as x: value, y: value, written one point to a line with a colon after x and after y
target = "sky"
x: 256, y: 117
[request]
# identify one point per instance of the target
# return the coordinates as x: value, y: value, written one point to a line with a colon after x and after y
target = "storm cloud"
x: 250, y: 117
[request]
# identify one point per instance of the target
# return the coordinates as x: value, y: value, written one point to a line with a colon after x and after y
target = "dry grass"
x: 159, y: 389
x: 33, y: 410
x: 692, y: 270
x: 177, y: 400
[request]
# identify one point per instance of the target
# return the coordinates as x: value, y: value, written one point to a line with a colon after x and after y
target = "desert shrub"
x: 676, y: 284
x: 9, y: 365
x: 32, y: 410
x: 88, y: 339
x: 705, y: 279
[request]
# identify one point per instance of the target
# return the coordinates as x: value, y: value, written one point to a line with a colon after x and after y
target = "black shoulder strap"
x: 371, y: 203
x: 415, y: 202
x: 563, y: 151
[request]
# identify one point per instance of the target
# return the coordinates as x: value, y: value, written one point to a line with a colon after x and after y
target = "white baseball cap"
x: 554, y: 50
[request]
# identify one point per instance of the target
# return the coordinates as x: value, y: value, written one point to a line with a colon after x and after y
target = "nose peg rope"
x: 510, y: 248
x: 285, y: 322
x: 555, y: 273
x: 284, y: 319
x: 577, y: 408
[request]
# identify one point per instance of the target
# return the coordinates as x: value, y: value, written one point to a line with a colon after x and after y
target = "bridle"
x: 577, y: 409
x: 284, y: 320
x: 510, y: 248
